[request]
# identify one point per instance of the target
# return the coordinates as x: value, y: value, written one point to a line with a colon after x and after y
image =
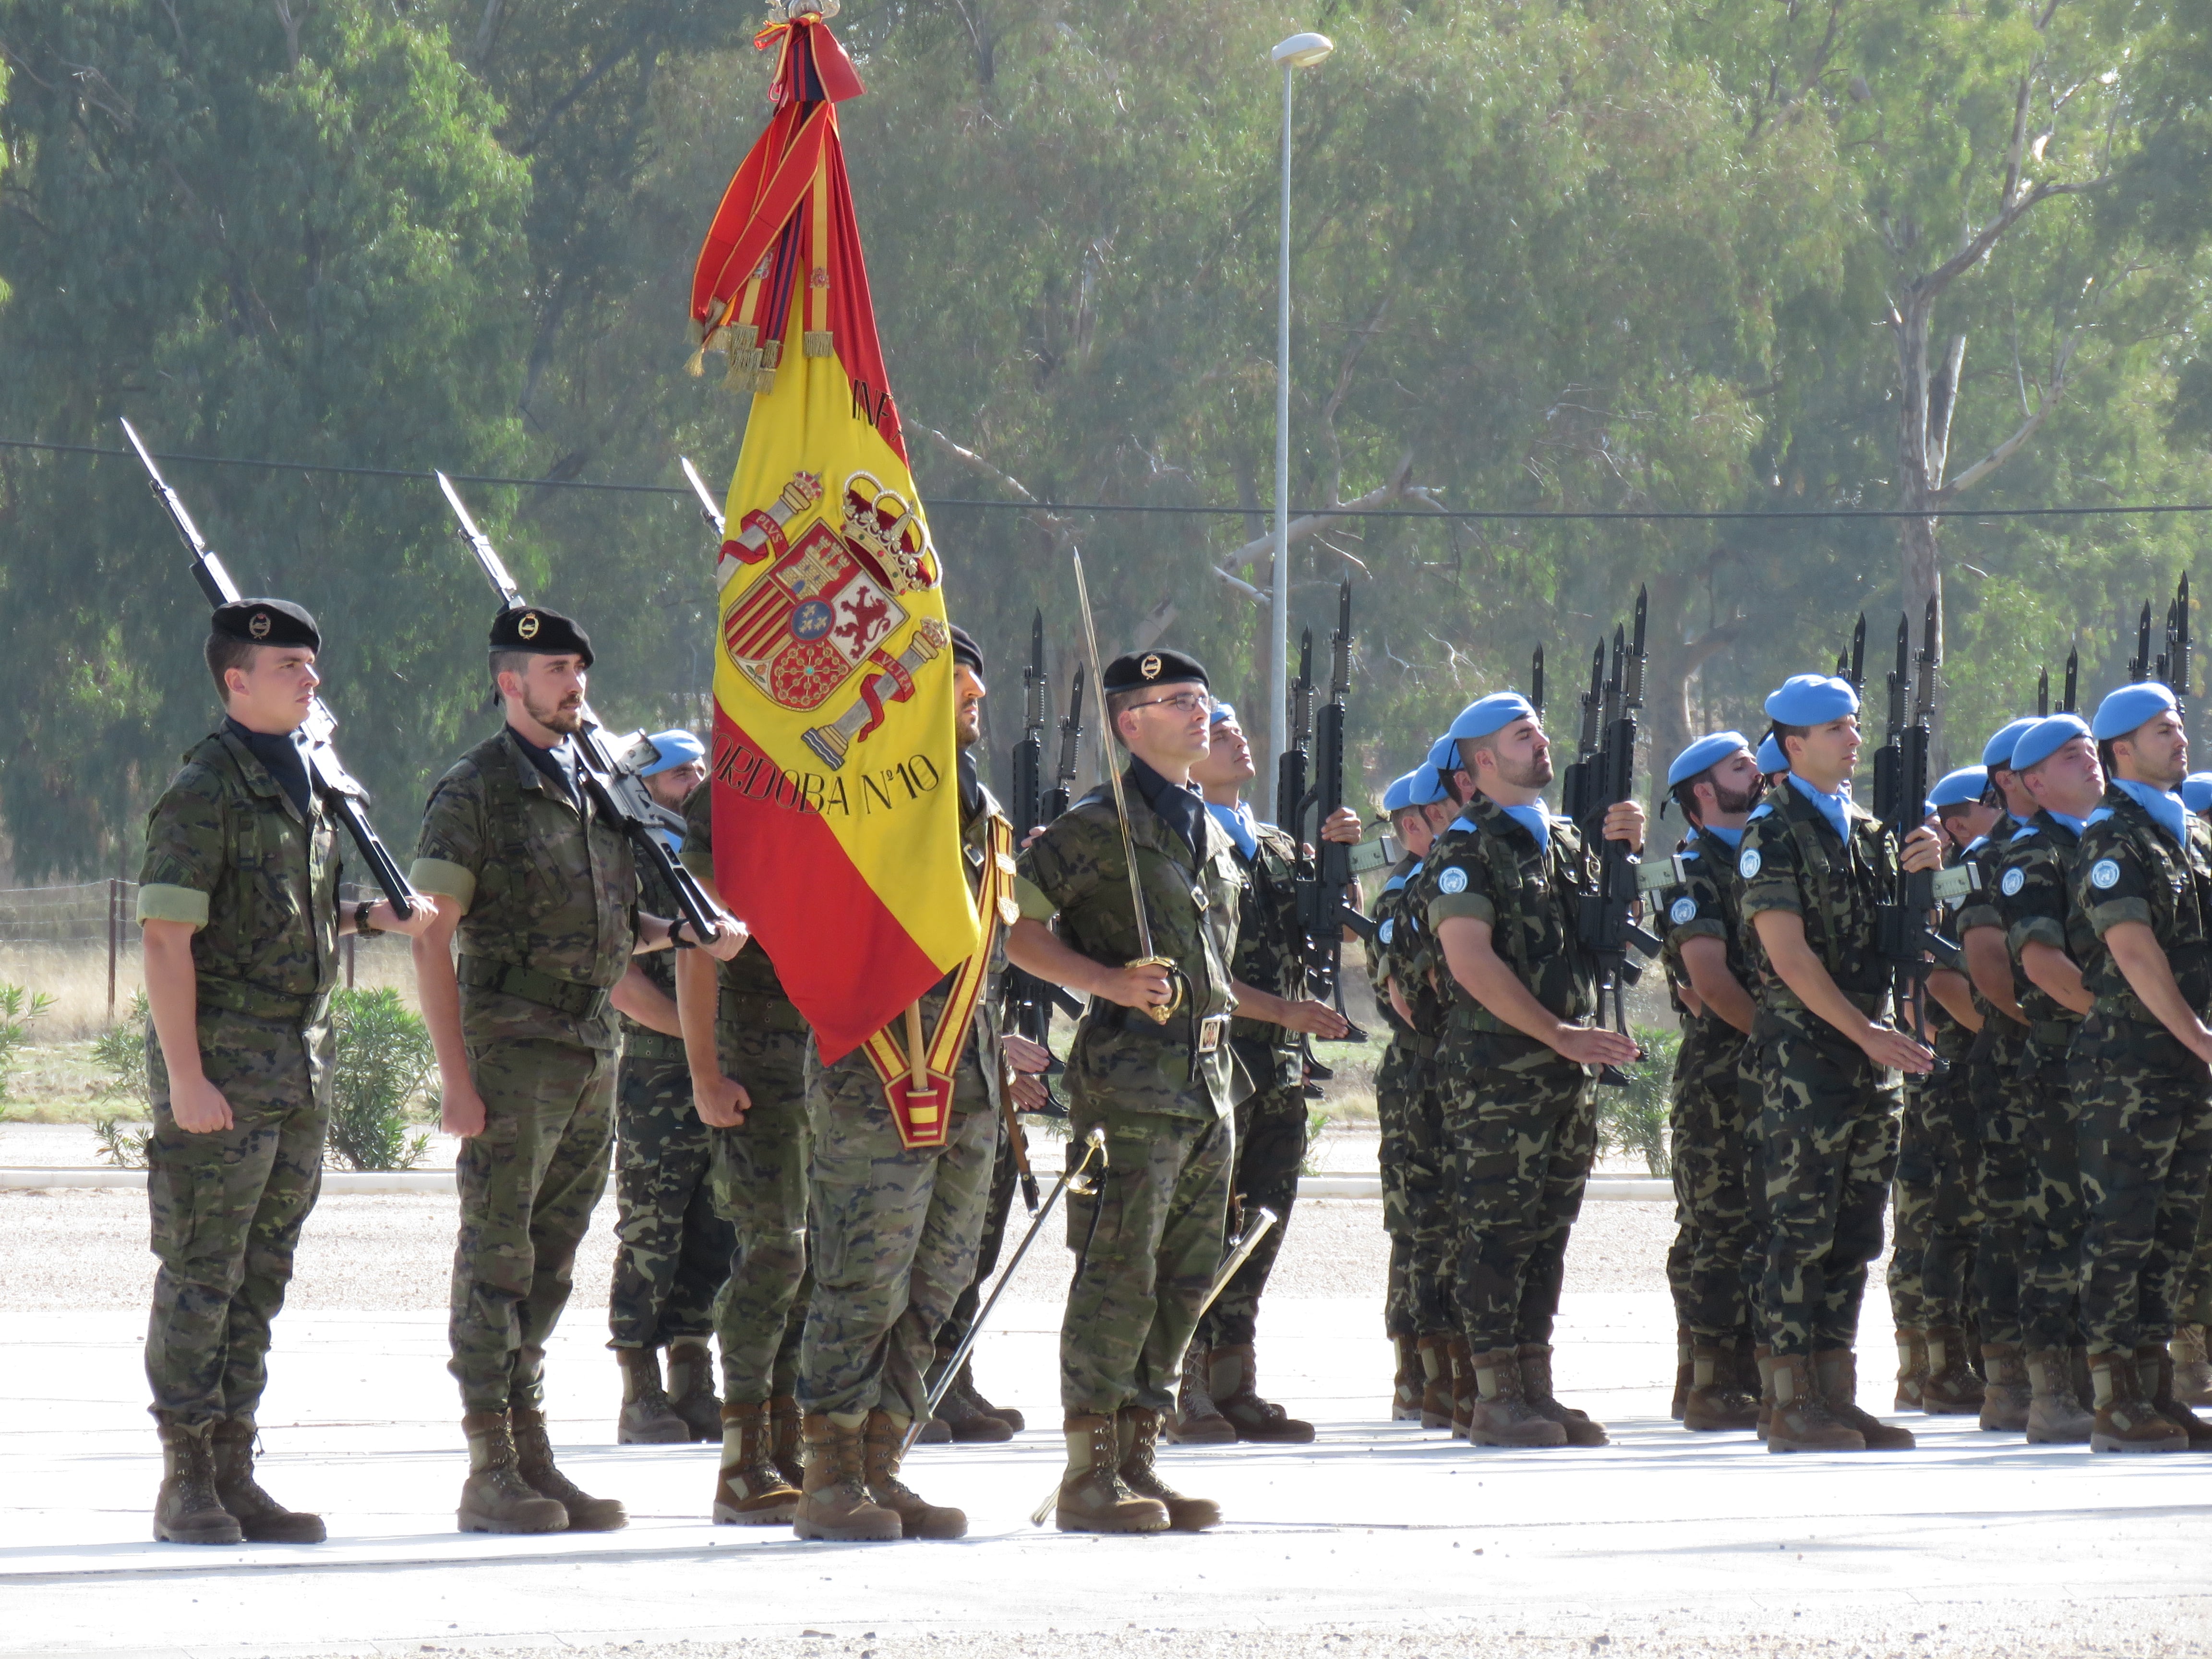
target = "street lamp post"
x: 1293, y: 54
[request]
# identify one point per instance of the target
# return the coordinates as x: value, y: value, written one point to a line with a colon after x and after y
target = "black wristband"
x: 675, y: 944
x: 361, y: 916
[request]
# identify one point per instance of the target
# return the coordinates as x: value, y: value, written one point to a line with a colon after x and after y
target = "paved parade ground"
x: 1378, y: 1539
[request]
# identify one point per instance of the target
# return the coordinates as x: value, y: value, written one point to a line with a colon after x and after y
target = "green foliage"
x: 121, y: 1143
x: 19, y: 1010
x: 385, y: 1067
x: 1317, y: 1121
x: 1633, y: 1120
x: 119, y: 1052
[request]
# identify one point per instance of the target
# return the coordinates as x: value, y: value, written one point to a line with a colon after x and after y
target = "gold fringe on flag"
x: 818, y: 343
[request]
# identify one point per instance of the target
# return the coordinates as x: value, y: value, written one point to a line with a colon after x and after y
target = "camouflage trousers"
x: 1522, y: 1127
x: 1938, y: 1166
x: 2002, y: 1230
x: 1416, y: 1204
x: 528, y: 1185
x: 998, y: 1208
x: 1147, y: 1242
x: 759, y: 1183
x: 1711, y: 1157
x: 227, y: 1207
x: 2145, y: 1128
x: 2192, y: 1303
x: 1828, y: 1130
x: 894, y: 1235
x: 672, y: 1249
x: 1271, y: 1143
x: 2050, y: 1214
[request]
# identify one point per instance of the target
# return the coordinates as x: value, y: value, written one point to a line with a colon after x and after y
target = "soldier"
x: 1148, y: 1239
x: 1716, y: 782
x: 1816, y: 869
x: 239, y: 901
x: 896, y: 1227
x: 2143, y: 878
x: 2192, y: 1368
x: 1513, y: 1068
x: 545, y: 901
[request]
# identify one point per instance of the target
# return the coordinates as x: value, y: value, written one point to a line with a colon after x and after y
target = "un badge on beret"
x: 1748, y: 866
x: 2013, y: 880
x: 2104, y: 872
x: 1683, y: 909
x: 525, y: 628
x: 1453, y: 880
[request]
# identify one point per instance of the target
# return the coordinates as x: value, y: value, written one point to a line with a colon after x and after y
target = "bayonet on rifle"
x: 1536, y: 682
x: 1291, y: 765
x: 2043, y: 693
x: 2179, y: 649
x: 1062, y: 791
x: 2139, y: 665
x: 2069, y: 704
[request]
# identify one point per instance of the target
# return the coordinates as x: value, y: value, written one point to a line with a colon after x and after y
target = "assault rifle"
x: 2139, y: 665
x: 1291, y: 764
x: 1575, y: 783
x: 1536, y: 683
x: 346, y: 800
x: 1322, y: 878
x: 1606, y: 922
x: 1057, y: 798
x: 2073, y: 687
x: 608, y: 766
x: 1028, y: 1000
x: 1902, y: 932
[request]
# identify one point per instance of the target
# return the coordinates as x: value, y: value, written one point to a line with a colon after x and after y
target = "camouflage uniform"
x: 895, y: 1229
x: 548, y: 890
x: 1406, y: 1108
x: 1520, y: 1120
x: 672, y: 1247
x: 759, y: 1169
x: 1938, y: 1162
x: 1149, y: 1240
x: 228, y: 852
x: 1999, y: 1154
x: 2145, y: 1108
x: 1828, y: 1123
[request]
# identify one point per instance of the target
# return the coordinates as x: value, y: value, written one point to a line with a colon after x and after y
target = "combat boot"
x: 750, y: 1490
x: 2007, y: 1396
x: 783, y: 1440
x: 259, y: 1517
x: 963, y: 1414
x: 835, y: 1505
x: 2154, y: 1371
x: 1911, y: 1370
x: 691, y: 1395
x: 1836, y: 1370
x: 1950, y: 1386
x: 1093, y: 1496
x: 2192, y: 1367
x: 2055, y: 1416
x: 2125, y: 1421
x: 1802, y: 1421
x: 1502, y: 1414
x: 1762, y: 1360
x: 1197, y: 1421
x: 967, y: 1389
x: 882, y: 1450
x: 1714, y: 1404
x: 496, y: 1497
x: 1232, y: 1376
x: 1462, y: 1395
x: 1137, y: 1431
x: 1683, y: 1380
x: 187, y: 1511
x: 1435, y: 1381
x: 647, y: 1419
x: 533, y: 1459
x: 1536, y: 1389
x: 1406, y: 1383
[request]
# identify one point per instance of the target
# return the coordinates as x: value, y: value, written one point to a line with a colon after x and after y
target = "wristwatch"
x: 361, y: 917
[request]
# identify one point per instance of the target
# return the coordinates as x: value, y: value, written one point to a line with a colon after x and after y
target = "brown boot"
x: 1197, y: 1421
x: 691, y: 1388
x: 1802, y: 1421
x: 1836, y: 1373
x: 2055, y: 1417
x: 1093, y: 1497
x: 1911, y: 1370
x: 1683, y: 1380
x: 2084, y: 1387
x: 1137, y: 1431
x: 1714, y: 1404
x: 1536, y: 1389
x: 2006, y: 1396
x: 1232, y: 1378
x: 259, y: 1517
x: 966, y: 1388
x: 187, y: 1510
x: 2192, y: 1367
x: 2154, y: 1371
x: 647, y: 1417
x: 1405, y: 1382
x: 496, y: 1497
x: 836, y: 1503
x: 533, y: 1455
x: 783, y: 1440
x: 1502, y: 1414
x: 963, y: 1415
x: 750, y: 1490
x: 1762, y: 1359
x: 2125, y: 1421
x: 882, y: 1450
x: 1950, y: 1388
x: 1435, y: 1382
x: 1463, y: 1387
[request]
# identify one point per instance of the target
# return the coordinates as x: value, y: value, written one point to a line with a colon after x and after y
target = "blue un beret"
x: 1706, y: 751
x: 2196, y: 791
x: 1443, y: 754
x: 1771, y: 758
x: 1811, y: 699
x: 2045, y: 739
x: 1491, y: 714
x: 673, y: 750
x: 1960, y: 788
x: 1997, y: 752
x: 1418, y: 787
x: 1221, y: 711
x: 2129, y: 707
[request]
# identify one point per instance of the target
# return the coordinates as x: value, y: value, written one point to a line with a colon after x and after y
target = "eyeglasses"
x: 1183, y: 702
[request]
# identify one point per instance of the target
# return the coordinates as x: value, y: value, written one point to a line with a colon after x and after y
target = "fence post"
x: 114, y: 938
x: 350, y: 939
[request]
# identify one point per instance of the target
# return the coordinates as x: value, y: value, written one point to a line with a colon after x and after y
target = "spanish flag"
x: 836, y: 795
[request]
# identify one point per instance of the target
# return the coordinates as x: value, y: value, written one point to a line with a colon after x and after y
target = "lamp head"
x: 1301, y: 51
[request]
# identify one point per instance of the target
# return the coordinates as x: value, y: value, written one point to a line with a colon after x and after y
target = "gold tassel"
x: 697, y: 363
x: 771, y: 354
x: 763, y: 379
x: 818, y: 343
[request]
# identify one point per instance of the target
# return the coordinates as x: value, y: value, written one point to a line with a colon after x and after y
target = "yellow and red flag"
x: 836, y: 797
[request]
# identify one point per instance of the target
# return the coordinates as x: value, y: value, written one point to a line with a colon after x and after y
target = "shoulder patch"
x: 2014, y: 880
x: 1451, y: 879
x: 1384, y: 932
x: 2022, y: 834
x: 1748, y: 865
x: 1683, y: 909
x: 2104, y: 872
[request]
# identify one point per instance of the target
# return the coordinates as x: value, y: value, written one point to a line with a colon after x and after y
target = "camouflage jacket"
x: 1488, y: 867
x: 229, y: 854
x: 751, y: 996
x: 655, y: 897
x: 2035, y: 882
x: 2001, y: 1036
x: 1791, y: 860
x: 548, y: 892
x: 1270, y: 953
x: 1075, y: 871
x: 1392, y: 948
x: 1707, y: 904
x: 2127, y: 869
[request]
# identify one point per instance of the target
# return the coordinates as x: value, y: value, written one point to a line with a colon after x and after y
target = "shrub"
x: 1317, y: 1121
x: 120, y: 1053
x: 385, y: 1067
x: 19, y: 1008
x: 1634, y: 1119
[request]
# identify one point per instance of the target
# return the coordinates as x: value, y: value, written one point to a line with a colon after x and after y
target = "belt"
x: 238, y: 997
x: 2051, y: 1034
x: 1425, y: 1047
x: 512, y: 979
x: 642, y: 1042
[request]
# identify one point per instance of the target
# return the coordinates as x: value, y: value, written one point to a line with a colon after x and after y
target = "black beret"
x: 266, y: 621
x: 1136, y: 670
x: 541, y: 632
x: 964, y: 648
